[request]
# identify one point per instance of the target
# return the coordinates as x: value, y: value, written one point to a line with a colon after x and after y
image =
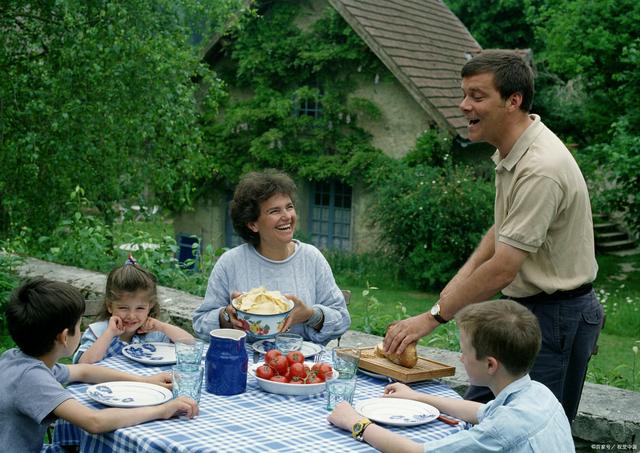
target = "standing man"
x: 540, y: 250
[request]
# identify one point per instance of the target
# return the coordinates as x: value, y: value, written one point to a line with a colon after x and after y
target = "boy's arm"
x: 94, y: 374
x: 104, y: 420
x: 462, y: 409
x: 344, y: 416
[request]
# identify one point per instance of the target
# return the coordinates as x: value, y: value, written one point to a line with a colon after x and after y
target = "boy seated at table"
x: 43, y: 317
x: 499, y: 341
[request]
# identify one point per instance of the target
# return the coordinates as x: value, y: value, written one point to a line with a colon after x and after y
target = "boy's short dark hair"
x: 512, y: 74
x: 253, y: 189
x: 503, y: 329
x: 41, y: 309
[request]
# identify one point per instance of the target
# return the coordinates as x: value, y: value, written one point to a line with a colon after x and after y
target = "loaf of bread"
x: 408, y: 358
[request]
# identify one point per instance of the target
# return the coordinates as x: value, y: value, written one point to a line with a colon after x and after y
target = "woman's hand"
x: 228, y: 317
x: 398, y: 390
x: 300, y: 313
x: 115, y: 327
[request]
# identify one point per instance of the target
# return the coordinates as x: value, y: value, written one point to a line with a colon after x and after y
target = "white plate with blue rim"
x: 308, y: 349
x: 129, y: 394
x: 397, y: 411
x: 151, y: 353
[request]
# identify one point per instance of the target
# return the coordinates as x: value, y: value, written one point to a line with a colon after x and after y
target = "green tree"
x: 101, y: 94
x: 592, y: 50
x: 496, y: 23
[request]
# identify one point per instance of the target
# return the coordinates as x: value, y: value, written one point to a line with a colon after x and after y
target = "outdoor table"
x: 251, y: 421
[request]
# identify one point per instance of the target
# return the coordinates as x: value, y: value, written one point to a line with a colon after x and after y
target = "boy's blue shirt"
x: 95, y: 330
x: 29, y: 392
x: 524, y: 417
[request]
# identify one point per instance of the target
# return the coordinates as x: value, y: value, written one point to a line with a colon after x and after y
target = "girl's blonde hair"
x: 129, y: 278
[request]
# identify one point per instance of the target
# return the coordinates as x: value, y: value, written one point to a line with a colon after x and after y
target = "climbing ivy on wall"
x: 282, y: 66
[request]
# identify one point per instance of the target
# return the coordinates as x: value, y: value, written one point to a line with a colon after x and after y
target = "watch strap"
x: 436, y: 314
x: 439, y: 318
x: 357, y: 431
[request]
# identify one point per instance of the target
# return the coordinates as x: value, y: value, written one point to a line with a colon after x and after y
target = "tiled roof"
x: 423, y: 44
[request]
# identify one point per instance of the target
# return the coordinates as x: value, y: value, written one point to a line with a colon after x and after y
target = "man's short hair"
x: 41, y: 309
x: 503, y: 329
x: 511, y: 74
x: 253, y: 189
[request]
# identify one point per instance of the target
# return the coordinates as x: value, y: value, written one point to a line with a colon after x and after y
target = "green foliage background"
x: 587, y: 55
x: 100, y: 94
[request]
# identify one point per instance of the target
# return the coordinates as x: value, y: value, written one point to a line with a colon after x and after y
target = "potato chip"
x: 259, y: 301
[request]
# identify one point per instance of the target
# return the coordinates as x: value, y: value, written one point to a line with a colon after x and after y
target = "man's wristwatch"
x: 435, y: 312
x: 357, y: 430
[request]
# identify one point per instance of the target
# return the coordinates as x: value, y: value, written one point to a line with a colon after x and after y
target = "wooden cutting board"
x: 424, y: 369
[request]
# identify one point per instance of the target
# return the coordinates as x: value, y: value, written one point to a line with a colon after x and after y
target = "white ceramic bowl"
x: 282, y: 388
x: 260, y: 327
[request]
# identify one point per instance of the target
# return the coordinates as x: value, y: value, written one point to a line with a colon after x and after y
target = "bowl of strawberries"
x: 290, y: 375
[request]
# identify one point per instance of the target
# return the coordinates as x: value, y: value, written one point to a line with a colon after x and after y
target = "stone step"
x: 604, y: 227
x: 611, y: 236
x: 615, y: 245
x: 626, y: 252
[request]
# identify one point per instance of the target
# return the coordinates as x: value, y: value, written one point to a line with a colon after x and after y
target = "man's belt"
x: 542, y: 298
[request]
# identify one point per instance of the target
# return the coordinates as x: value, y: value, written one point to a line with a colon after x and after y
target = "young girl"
x: 128, y: 316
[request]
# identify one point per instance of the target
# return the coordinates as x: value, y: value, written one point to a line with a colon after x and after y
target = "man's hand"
x: 300, y: 313
x: 402, y: 333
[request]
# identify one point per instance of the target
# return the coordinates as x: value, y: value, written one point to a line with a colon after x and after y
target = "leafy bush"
x: 85, y: 241
x: 433, y: 218
x: 100, y: 94
x: 612, y: 170
x: 8, y: 282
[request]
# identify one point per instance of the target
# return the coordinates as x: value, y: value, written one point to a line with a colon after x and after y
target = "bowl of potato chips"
x: 262, y: 312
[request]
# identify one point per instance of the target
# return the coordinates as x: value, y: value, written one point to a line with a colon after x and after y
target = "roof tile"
x: 423, y: 44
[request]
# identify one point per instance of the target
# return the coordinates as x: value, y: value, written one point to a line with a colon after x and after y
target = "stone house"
x: 422, y: 45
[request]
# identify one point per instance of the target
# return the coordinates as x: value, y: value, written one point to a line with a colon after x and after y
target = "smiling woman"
x: 264, y: 215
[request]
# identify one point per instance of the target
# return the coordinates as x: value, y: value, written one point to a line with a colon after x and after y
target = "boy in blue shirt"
x: 499, y: 341
x: 43, y: 317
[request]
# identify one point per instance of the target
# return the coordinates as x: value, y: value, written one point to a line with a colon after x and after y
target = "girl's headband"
x: 130, y: 261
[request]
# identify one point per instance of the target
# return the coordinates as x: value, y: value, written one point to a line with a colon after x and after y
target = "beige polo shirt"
x: 542, y: 207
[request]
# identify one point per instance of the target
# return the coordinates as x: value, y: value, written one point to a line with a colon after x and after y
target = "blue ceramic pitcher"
x: 226, y: 362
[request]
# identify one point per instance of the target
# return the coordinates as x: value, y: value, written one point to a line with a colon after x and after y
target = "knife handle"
x: 447, y: 420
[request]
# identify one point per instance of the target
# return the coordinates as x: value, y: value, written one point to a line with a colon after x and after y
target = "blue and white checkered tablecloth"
x: 254, y: 421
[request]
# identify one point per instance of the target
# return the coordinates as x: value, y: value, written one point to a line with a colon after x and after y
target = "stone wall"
x: 608, y: 417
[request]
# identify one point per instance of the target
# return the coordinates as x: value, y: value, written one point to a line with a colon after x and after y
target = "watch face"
x: 435, y: 309
x: 357, y: 427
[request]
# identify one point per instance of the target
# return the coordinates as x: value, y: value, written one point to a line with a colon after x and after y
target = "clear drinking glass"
x: 338, y: 390
x: 345, y: 362
x: 189, y: 352
x: 286, y: 342
x: 187, y: 381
